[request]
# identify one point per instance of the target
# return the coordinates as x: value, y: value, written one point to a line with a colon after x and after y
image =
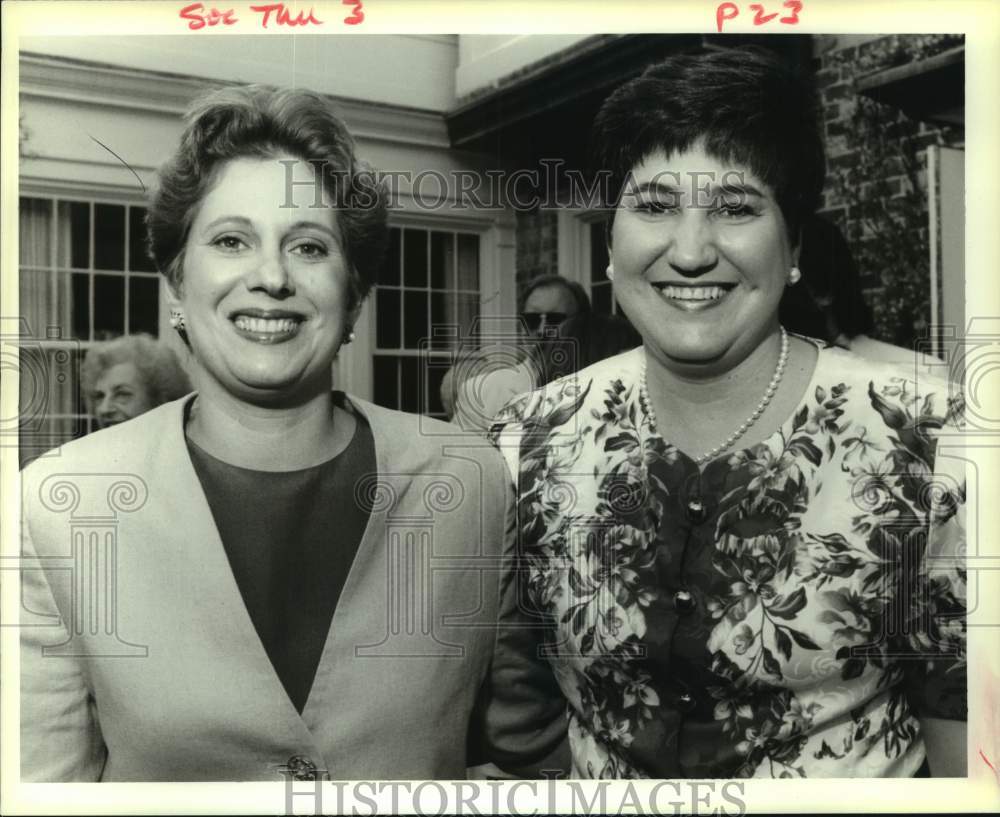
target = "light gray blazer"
x: 139, y: 661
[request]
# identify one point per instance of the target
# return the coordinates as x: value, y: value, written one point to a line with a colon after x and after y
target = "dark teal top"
x: 291, y: 538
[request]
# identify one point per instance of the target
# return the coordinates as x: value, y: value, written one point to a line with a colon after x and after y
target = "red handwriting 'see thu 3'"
x: 198, y: 17
x: 761, y: 16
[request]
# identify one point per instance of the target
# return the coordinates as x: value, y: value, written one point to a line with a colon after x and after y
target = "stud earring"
x: 177, y: 319
x: 794, y: 276
x: 610, y: 272
x: 350, y: 337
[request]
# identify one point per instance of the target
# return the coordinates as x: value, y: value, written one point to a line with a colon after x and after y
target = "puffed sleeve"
x: 934, y: 636
x: 522, y: 717
x: 60, y: 736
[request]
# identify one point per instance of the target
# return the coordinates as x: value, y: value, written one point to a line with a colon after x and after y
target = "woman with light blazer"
x: 266, y: 579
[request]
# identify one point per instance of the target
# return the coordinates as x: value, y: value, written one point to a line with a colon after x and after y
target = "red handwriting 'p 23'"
x: 730, y: 11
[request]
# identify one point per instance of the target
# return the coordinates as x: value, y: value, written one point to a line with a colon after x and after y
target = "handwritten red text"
x: 730, y: 11
x: 283, y: 16
x: 357, y: 15
x: 198, y: 18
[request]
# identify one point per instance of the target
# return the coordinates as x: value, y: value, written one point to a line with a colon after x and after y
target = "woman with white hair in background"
x: 127, y: 376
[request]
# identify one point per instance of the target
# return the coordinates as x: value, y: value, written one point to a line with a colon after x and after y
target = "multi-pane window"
x: 84, y: 275
x: 426, y: 305
x: 601, y: 295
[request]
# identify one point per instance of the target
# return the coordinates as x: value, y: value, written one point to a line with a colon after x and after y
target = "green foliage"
x: 884, y: 187
x: 887, y: 226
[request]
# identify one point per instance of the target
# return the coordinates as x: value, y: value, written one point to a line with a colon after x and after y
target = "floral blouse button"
x: 685, y: 702
x: 684, y: 602
x: 696, y: 511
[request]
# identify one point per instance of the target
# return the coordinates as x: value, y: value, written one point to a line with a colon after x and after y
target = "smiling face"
x: 265, y: 288
x: 701, y: 256
x: 119, y: 394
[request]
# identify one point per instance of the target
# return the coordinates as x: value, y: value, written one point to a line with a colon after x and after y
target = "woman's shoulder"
x: 556, y: 403
x: 919, y: 384
x: 856, y: 364
x: 116, y: 448
x: 414, y: 441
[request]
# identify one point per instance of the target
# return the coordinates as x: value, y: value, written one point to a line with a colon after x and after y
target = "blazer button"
x: 684, y: 602
x: 685, y: 702
x: 301, y: 768
x: 696, y: 511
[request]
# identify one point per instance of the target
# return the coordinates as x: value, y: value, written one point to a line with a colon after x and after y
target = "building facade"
x: 445, y: 116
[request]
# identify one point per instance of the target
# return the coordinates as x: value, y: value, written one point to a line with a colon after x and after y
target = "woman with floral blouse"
x: 742, y: 548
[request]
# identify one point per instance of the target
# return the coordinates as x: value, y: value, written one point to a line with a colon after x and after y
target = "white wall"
x: 417, y: 71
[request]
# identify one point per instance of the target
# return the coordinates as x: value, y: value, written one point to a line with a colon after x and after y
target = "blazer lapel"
x: 192, y: 551
x: 354, y: 612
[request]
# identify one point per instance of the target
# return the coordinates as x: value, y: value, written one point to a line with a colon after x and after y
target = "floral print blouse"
x: 787, y: 610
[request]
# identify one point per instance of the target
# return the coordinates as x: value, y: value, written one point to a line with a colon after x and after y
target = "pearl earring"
x: 794, y: 276
x: 177, y: 319
x: 610, y: 272
x: 350, y: 337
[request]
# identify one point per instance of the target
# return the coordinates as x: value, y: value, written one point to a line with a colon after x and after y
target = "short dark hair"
x: 256, y: 121
x: 572, y: 287
x: 743, y: 104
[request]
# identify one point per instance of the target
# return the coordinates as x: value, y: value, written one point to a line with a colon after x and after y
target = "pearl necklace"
x: 772, y: 387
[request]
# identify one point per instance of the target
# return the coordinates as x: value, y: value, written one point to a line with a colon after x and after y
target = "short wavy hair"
x: 156, y: 363
x: 255, y: 121
x: 743, y: 104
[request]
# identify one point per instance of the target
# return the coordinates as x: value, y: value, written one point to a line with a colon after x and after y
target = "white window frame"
x: 354, y: 367
x: 573, y: 226
x: 96, y: 194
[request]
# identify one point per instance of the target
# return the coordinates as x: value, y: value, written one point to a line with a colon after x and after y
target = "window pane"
x: 109, y: 236
x: 387, y: 335
x: 600, y: 296
x: 73, y: 234
x: 598, y: 252
x: 138, y: 256
x: 435, y: 373
x: 386, y: 392
x: 49, y: 388
x: 143, y: 305
x: 81, y: 305
x: 35, y: 232
x: 409, y: 397
x: 466, y: 312
x: 442, y: 260
x: 468, y: 261
x: 389, y: 273
x: 415, y: 258
x: 39, y: 302
x: 109, y: 306
x: 415, y: 326
x: 442, y: 320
